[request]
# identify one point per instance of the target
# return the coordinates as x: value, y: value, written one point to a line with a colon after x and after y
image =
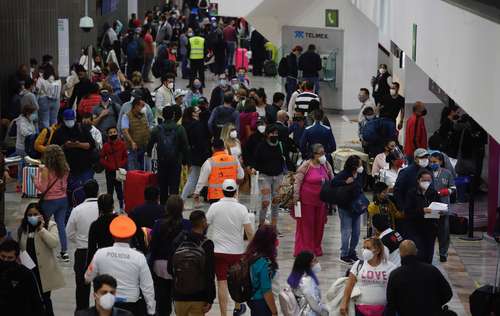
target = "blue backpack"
x: 133, y: 49
x: 379, y: 129
x: 114, y: 82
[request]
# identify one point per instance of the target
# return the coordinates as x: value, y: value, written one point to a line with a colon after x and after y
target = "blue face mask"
x: 34, y: 116
x: 434, y: 166
x: 33, y: 220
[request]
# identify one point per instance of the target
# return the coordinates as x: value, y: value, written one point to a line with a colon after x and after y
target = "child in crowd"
x: 112, y: 157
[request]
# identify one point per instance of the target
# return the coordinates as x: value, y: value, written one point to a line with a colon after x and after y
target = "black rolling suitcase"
x: 485, y: 301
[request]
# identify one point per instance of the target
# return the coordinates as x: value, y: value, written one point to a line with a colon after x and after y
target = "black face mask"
x: 424, y: 113
x: 273, y: 139
x: 456, y: 117
x: 113, y: 137
x: 7, y: 265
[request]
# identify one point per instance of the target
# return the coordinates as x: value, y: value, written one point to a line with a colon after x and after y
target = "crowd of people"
x: 211, y: 145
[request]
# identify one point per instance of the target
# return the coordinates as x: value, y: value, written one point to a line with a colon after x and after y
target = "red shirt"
x: 88, y: 103
x: 415, y: 134
x: 230, y: 34
x: 113, y: 155
x: 148, y: 44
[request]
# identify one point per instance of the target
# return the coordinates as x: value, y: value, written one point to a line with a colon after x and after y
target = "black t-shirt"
x: 392, y: 106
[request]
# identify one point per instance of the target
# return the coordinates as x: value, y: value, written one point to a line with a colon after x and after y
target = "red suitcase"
x: 241, y: 58
x: 135, y: 183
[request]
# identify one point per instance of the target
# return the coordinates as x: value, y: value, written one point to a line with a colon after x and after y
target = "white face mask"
x: 69, y: 123
x: 316, y: 268
x: 170, y: 85
x: 367, y: 254
x: 382, y: 70
x: 370, y: 117
x: 322, y: 159
x: 360, y: 169
x: 425, y: 185
x: 393, y: 92
x: 423, y: 162
x: 233, y: 134
x: 261, y: 129
x: 107, y: 301
x: 144, y: 110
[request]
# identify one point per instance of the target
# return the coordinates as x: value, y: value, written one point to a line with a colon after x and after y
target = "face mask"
x: 322, y: 159
x: 456, y: 117
x: 360, y: 169
x: 174, y: 51
x: 367, y: 255
x: 241, y: 78
x: 235, y: 86
x: 434, y: 166
x: 369, y: 117
x: 424, y: 112
x: 382, y: 70
x: 143, y: 110
x: 107, y: 301
x: 424, y: 185
x: 5, y: 265
x: 222, y: 82
x: 33, y: 117
x: 273, y: 139
x: 316, y: 268
x: 261, y: 129
x: 233, y: 134
x: 393, y: 92
x: 423, y: 162
x: 197, y: 85
x: 190, y: 34
x: 69, y: 123
x: 113, y: 137
x: 33, y: 220
x: 170, y: 85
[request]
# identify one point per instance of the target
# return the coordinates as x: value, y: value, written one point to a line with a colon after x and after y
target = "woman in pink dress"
x: 308, y: 180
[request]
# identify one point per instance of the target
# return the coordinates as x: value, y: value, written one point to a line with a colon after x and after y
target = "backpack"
x: 29, y: 146
x: 288, y: 302
x: 224, y: 116
x: 167, y: 144
x: 270, y: 69
x: 188, y: 264
x: 283, y: 67
x: 239, y: 282
x: 133, y: 49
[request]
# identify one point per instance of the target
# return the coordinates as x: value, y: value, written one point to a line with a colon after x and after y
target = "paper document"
x: 298, y: 210
x: 26, y: 260
x: 437, y: 209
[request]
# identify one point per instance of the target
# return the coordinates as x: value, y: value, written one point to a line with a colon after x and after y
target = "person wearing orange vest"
x: 215, y: 170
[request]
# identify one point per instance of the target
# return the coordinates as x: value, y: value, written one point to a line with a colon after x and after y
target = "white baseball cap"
x: 229, y: 185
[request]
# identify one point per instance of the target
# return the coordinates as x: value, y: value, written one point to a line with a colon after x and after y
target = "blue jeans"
x: 58, y: 208
x: 47, y: 113
x: 350, y: 227
x: 136, y: 159
x: 75, y: 188
x: 191, y: 182
x: 259, y: 308
x: 314, y: 80
x: 184, y: 67
x: 230, y: 49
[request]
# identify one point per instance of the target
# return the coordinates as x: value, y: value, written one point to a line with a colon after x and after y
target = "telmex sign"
x: 302, y: 34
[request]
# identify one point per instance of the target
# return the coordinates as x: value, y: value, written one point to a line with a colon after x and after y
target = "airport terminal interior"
x: 412, y: 80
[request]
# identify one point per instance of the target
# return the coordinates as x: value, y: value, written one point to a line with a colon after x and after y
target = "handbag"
x: 360, y: 205
x: 464, y: 167
x: 342, y: 195
x: 42, y: 196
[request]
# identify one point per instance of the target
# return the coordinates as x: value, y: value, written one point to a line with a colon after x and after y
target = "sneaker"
x: 240, y: 311
x: 443, y: 259
x: 354, y: 257
x: 346, y: 260
x: 32, y: 161
x: 63, y: 256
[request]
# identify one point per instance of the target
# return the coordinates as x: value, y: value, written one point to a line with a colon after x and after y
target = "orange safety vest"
x: 224, y: 166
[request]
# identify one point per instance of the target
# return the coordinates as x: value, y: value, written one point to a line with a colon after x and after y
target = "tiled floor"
x: 470, y: 263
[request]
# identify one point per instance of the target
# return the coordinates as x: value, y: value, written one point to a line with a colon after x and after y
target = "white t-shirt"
x: 372, y: 281
x: 226, y: 219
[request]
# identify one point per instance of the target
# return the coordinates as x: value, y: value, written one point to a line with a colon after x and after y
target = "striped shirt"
x: 303, y: 101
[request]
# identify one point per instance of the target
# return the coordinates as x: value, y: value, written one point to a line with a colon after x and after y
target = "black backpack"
x: 167, y: 144
x: 189, y: 268
x: 239, y: 282
x: 283, y: 67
